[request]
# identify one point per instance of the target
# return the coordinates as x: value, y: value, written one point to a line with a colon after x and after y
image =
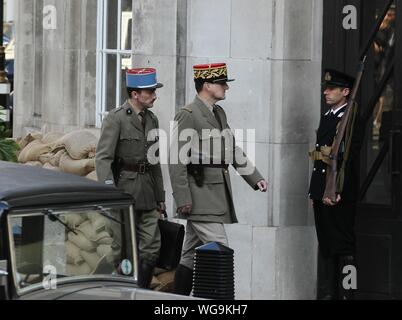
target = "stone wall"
x: 55, y: 72
x: 273, y: 50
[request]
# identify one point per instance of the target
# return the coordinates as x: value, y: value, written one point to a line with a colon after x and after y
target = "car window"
x: 58, y: 244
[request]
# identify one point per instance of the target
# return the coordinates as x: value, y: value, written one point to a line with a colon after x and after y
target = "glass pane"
x: 76, y: 243
x: 126, y: 24
x: 111, y: 32
x: 380, y: 123
x: 379, y: 191
x: 384, y: 44
x: 126, y: 62
x: 380, y: 126
x: 111, y: 60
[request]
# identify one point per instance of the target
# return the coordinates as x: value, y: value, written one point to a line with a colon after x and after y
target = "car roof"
x: 27, y: 186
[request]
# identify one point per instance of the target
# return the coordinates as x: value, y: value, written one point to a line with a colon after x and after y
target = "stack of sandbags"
x: 79, y: 156
x: 73, y: 152
x: 93, y: 243
x: 34, y: 146
x: 31, y: 148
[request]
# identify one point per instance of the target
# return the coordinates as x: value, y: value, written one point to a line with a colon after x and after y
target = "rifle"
x: 332, y: 174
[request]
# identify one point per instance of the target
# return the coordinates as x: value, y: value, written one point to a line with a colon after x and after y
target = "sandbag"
x: 52, y: 137
x: 166, y: 281
x: 78, y: 167
x: 81, y: 241
x: 102, y: 238
x: 29, y: 138
x: 104, y: 249
x: 154, y: 283
x: 32, y: 151
x: 79, y: 144
x: 92, y: 176
x: 73, y: 220
x: 91, y: 258
x: 45, y: 158
x: 50, y: 167
x: 73, y: 254
x: 33, y: 163
x: 86, y: 229
x: 55, y: 160
x: 99, y: 222
x: 109, y: 252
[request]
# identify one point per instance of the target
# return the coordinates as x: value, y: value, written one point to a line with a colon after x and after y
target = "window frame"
x: 102, y: 53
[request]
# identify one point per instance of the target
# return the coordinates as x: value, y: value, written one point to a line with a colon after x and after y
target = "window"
x: 113, y: 54
x: 66, y: 243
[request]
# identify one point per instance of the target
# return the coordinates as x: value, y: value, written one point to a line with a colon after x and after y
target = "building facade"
x: 70, y: 59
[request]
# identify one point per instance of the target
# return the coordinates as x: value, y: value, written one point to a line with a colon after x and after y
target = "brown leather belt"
x: 136, y: 167
x: 207, y: 165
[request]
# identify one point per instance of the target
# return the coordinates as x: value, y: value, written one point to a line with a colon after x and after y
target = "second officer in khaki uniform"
x: 121, y: 159
x: 199, y: 176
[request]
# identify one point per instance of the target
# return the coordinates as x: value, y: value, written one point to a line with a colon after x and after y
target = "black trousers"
x: 335, y: 228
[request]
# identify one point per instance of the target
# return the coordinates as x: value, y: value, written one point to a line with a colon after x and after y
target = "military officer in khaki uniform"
x: 199, y: 168
x: 121, y: 159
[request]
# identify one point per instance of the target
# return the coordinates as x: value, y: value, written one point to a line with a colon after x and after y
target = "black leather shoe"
x: 328, y: 297
x: 327, y: 278
x: 183, y: 280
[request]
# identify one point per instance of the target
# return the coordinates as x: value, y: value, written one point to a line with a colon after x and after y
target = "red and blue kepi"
x: 142, y: 78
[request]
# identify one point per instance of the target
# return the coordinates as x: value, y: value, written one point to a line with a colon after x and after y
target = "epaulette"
x: 188, y: 109
x: 117, y: 109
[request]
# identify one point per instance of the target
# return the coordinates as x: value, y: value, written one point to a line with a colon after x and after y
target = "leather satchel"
x: 172, y: 236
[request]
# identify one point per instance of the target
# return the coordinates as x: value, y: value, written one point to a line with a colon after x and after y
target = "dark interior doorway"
x: 379, y: 218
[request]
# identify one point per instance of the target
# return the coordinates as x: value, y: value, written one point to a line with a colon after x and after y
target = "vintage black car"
x: 66, y: 237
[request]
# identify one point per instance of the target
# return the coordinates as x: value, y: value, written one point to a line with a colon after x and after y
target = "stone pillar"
x: 154, y: 44
x: 55, y: 68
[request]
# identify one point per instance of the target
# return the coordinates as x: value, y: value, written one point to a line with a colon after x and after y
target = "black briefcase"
x: 172, y: 236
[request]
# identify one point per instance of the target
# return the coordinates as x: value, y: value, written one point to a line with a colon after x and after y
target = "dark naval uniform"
x: 335, y: 224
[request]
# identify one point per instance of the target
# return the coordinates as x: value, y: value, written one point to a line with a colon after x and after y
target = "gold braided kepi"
x: 214, y: 72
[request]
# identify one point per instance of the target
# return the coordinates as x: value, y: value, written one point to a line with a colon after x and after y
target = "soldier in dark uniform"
x: 335, y: 220
x: 122, y: 159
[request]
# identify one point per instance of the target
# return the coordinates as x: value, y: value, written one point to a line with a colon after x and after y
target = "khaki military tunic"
x: 212, y: 202
x: 122, y: 136
x: 124, y: 140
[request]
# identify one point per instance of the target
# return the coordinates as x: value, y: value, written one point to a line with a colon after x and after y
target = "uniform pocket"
x: 209, y: 199
x: 131, y: 145
x: 128, y: 135
x: 213, y: 175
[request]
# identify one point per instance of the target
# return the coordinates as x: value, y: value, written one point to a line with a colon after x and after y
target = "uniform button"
x: 225, y: 171
x: 314, y: 169
x: 317, y: 145
x: 323, y: 170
